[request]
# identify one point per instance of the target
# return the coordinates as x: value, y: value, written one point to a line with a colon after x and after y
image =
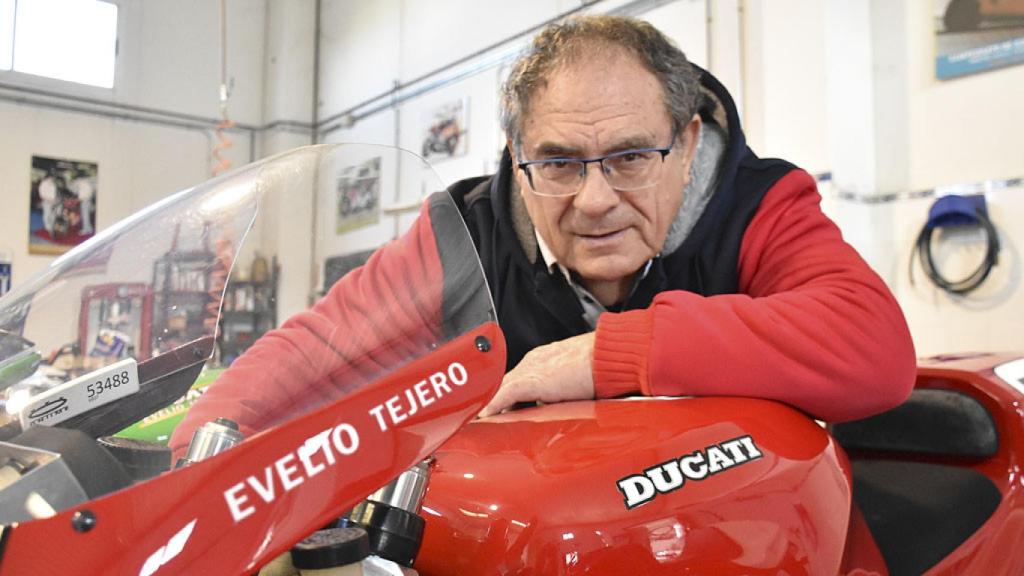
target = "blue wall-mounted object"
x: 956, y: 210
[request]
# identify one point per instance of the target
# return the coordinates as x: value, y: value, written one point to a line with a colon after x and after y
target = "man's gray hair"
x: 587, y: 37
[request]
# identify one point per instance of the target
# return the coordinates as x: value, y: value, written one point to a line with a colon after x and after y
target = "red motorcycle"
x: 384, y: 435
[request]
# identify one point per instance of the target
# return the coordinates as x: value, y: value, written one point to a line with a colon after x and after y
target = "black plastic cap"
x: 395, y: 534
x: 331, y: 548
x: 226, y: 423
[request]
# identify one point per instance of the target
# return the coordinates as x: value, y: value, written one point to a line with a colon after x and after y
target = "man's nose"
x: 596, y: 195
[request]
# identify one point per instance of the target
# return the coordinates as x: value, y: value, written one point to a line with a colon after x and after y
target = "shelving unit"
x: 180, y: 296
x: 249, y: 311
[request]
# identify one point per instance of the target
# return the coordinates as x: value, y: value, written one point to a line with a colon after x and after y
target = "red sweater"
x: 813, y: 326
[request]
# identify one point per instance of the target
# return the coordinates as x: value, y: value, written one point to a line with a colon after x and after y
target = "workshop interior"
x: 184, y: 182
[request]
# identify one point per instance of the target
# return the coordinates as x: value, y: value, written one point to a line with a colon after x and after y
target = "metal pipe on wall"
x: 709, y: 20
x: 124, y: 111
x: 119, y: 111
x: 315, y: 121
x: 314, y: 268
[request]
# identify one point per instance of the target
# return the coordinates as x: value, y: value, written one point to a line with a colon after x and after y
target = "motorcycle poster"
x: 63, y: 204
x: 446, y: 130
x: 358, y: 196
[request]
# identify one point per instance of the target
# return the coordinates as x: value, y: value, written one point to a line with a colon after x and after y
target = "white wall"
x: 785, y: 70
x: 897, y: 130
x: 988, y: 319
x: 168, y: 59
x: 169, y: 56
x: 288, y: 97
x: 963, y: 130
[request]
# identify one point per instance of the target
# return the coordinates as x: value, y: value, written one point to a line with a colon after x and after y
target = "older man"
x: 634, y: 244
x: 640, y: 246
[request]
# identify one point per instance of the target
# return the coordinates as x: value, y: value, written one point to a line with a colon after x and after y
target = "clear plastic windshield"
x: 255, y: 297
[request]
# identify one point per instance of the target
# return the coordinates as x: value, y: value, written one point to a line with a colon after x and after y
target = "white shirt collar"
x: 549, y: 258
x: 592, y: 308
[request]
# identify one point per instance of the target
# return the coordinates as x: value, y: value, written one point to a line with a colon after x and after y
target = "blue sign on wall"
x: 977, y: 35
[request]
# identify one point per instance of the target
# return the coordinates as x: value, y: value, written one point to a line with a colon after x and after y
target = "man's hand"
x: 554, y: 372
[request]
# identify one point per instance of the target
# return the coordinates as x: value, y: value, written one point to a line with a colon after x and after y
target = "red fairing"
x: 233, y: 513
x: 813, y: 326
x: 743, y: 487
x: 375, y: 318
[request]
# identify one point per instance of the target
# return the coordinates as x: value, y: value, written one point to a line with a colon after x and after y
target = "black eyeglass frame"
x: 525, y: 165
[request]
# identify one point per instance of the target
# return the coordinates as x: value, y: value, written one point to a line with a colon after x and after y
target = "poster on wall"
x: 973, y: 36
x: 63, y: 204
x: 358, y: 196
x: 446, y: 131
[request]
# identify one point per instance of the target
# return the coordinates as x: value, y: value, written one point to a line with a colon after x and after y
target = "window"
x: 73, y: 40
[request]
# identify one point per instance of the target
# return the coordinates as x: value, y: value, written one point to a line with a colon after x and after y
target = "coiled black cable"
x: 923, y: 249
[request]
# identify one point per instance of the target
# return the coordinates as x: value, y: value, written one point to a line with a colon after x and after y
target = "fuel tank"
x: 638, y: 486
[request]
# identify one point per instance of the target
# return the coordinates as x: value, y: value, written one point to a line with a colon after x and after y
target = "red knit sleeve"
x: 813, y: 326
x: 374, y: 319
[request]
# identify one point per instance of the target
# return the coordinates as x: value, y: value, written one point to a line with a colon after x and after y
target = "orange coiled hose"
x: 223, y: 143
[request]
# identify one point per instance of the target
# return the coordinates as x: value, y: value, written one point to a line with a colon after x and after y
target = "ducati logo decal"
x: 673, y: 474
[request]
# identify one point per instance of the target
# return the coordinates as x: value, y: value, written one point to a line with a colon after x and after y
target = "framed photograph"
x: 336, y: 267
x: 358, y: 196
x: 114, y: 321
x: 446, y: 131
x: 63, y: 204
x: 973, y: 36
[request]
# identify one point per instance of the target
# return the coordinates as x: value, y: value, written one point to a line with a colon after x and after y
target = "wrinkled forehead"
x: 587, y: 62
x: 595, y: 104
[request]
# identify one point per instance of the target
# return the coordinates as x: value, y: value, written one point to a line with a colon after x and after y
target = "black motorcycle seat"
x: 931, y: 422
x: 918, y: 513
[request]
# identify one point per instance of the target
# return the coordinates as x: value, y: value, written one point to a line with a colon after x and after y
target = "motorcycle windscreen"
x: 410, y: 297
x: 194, y: 311
x: 90, y: 342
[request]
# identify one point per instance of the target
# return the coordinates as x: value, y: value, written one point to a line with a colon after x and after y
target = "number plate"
x: 82, y: 394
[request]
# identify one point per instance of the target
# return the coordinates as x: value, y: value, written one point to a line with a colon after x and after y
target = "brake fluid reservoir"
x: 332, y: 552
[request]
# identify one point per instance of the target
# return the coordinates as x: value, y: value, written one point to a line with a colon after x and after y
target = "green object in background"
x: 18, y: 367
x: 158, y: 426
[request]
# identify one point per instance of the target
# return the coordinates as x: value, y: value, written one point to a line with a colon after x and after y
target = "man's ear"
x: 690, y: 137
x: 517, y: 174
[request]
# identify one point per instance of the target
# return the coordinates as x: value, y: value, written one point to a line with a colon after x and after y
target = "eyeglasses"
x: 625, y: 171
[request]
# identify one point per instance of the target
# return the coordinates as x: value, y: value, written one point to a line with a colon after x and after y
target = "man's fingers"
x: 496, y: 405
x: 512, y: 390
x: 554, y: 372
x: 502, y: 400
